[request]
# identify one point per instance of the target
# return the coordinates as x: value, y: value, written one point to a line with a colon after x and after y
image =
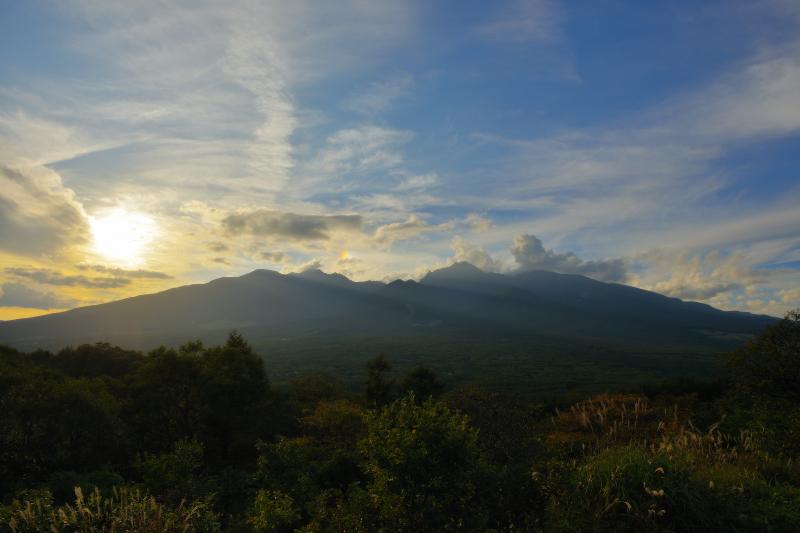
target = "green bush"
x: 632, y: 488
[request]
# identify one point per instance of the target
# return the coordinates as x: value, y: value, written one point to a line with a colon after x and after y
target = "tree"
x: 234, y: 394
x: 424, y: 467
x: 165, y: 399
x: 378, y: 390
x: 770, y: 363
x: 424, y: 383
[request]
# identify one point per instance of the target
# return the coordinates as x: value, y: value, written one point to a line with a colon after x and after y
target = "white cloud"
x: 379, y: 96
x: 478, y: 222
x: 524, y: 20
x: 464, y: 251
x: 362, y: 148
x: 408, y: 229
x: 418, y: 181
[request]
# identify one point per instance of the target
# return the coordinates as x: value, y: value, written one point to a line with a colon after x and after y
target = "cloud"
x: 253, y: 60
x: 530, y: 254
x: 38, y: 215
x: 762, y: 99
x: 276, y: 257
x: 19, y: 295
x: 53, y: 277
x: 524, y: 21
x: 478, y: 222
x: 379, y: 96
x: 410, y: 228
x: 312, y: 264
x: 419, y: 181
x: 463, y: 251
x: 289, y: 226
x: 125, y: 273
x: 218, y: 247
x: 362, y: 148
x: 790, y: 297
x: 709, y: 276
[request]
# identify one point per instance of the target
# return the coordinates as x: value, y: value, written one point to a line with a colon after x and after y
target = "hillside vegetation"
x: 99, y: 438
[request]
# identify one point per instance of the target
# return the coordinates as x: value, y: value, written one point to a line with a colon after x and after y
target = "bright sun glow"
x: 121, y: 236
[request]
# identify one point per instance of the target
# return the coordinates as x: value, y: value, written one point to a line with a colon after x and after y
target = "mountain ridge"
x: 550, y: 288
x: 538, y: 326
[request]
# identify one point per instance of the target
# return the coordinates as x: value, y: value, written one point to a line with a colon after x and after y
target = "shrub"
x: 632, y: 488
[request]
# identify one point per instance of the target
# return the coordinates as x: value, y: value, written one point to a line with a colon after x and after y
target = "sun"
x: 121, y: 236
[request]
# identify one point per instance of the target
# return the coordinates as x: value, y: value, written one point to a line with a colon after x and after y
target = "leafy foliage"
x: 197, y: 439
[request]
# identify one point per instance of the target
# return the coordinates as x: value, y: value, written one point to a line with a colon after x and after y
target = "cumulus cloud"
x: 20, y: 295
x: 408, y: 229
x: 790, y: 297
x: 530, y: 254
x: 710, y: 276
x: 53, y: 277
x: 478, y: 222
x: 38, y: 215
x: 464, y: 251
x: 289, y: 226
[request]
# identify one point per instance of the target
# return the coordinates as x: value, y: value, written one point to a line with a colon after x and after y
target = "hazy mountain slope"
x: 472, y: 322
x: 595, y: 308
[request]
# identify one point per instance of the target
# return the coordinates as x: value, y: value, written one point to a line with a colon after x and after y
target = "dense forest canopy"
x: 196, y: 438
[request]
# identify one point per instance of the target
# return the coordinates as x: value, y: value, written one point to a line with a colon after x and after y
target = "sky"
x: 146, y: 145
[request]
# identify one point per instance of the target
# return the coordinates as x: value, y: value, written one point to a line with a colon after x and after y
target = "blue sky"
x: 147, y: 144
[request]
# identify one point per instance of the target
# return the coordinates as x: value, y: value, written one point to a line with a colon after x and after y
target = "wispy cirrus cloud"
x: 378, y: 96
x: 524, y: 20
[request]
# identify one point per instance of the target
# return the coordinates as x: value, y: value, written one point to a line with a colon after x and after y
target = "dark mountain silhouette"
x: 450, y: 299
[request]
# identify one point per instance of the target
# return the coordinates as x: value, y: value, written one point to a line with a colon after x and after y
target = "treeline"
x: 98, y: 438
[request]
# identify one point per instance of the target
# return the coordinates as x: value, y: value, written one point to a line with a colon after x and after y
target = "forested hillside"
x: 98, y: 438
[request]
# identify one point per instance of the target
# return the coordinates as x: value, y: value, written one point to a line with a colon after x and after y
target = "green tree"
x: 175, y: 475
x: 424, y: 467
x: 165, y: 404
x: 424, y: 383
x: 379, y: 389
x: 235, y: 395
x: 770, y: 364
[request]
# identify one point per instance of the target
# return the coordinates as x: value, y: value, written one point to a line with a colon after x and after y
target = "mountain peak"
x: 316, y: 274
x: 461, y: 269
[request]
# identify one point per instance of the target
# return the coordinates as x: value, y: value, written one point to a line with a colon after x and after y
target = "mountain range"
x: 312, y: 319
